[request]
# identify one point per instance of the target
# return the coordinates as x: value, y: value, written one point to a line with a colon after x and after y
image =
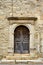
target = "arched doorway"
x: 21, y: 39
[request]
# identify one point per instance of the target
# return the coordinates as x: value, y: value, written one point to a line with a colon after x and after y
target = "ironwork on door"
x: 21, y: 39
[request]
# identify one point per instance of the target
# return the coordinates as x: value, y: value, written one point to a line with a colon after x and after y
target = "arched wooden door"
x: 21, y: 39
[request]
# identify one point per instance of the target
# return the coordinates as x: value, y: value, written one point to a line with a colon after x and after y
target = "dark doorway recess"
x: 21, y: 39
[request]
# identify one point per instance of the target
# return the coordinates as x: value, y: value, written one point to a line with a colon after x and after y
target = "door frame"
x: 11, y: 36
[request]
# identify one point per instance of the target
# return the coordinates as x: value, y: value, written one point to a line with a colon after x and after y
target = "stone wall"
x: 21, y: 8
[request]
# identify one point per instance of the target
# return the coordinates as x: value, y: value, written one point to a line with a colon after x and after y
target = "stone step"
x: 4, y: 61
x: 21, y: 56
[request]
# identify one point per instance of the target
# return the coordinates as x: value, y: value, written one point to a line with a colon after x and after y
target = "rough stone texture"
x: 4, y: 37
x: 21, y: 8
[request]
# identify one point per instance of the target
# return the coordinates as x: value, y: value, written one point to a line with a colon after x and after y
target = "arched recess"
x: 21, y: 39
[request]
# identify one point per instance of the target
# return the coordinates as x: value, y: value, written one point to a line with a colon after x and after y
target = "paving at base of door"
x: 24, y: 62
x: 23, y: 56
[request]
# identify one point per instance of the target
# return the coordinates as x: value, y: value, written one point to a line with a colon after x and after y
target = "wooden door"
x: 21, y: 40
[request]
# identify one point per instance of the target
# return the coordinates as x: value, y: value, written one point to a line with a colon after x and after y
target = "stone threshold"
x: 21, y: 61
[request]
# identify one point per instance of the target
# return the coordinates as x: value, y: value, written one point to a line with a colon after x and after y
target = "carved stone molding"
x: 22, y: 20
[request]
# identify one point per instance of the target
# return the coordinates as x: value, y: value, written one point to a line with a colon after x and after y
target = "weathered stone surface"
x: 21, y: 8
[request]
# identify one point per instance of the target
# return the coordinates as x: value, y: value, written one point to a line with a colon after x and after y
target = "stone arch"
x: 11, y: 36
x: 23, y: 34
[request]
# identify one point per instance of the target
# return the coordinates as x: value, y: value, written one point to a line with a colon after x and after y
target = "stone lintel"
x: 21, y: 22
x: 22, y: 18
